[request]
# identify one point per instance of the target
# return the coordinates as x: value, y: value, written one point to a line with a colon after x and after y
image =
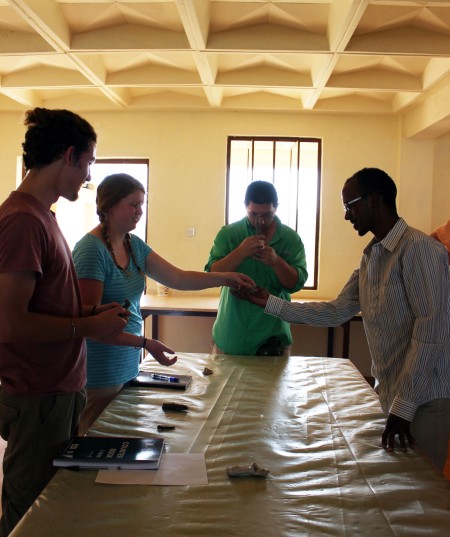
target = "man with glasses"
x: 273, y: 255
x: 402, y: 291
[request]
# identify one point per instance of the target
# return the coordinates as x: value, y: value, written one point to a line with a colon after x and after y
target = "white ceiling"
x: 341, y: 56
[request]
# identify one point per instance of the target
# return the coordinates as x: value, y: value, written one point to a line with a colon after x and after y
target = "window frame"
x: 274, y: 139
x: 82, y: 225
x: 131, y: 160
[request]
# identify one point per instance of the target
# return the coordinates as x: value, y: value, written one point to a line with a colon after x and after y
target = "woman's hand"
x: 237, y: 280
x: 157, y: 350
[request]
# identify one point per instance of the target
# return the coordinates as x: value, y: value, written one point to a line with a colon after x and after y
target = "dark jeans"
x: 430, y: 428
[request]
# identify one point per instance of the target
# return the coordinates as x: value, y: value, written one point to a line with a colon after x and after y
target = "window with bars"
x: 77, y: 218
x: 293, y: 165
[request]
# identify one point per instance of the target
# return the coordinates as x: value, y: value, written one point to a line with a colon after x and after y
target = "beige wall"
x: 441, y: 182
x: 187, y: 153
x: 11, y: 137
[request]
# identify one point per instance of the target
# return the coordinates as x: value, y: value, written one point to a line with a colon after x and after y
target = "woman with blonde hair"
x: 111, y: 264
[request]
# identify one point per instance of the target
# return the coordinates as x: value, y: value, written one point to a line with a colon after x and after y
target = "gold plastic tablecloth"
x: 313, y: 422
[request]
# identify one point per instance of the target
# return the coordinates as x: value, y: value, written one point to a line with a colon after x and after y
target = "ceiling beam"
x: 46, y: 18
x: 195, y: 19
x: 343, y: 18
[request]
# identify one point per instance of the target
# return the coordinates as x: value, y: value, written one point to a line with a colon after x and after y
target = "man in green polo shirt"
x: 273, y: 255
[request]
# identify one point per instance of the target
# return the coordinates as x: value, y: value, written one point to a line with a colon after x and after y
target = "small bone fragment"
x: 241, y: 471
x: 174, y: 406
x: 162, y: 427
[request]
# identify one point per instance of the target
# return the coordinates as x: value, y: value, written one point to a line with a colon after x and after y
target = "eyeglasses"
x: 265, y: 216
x: 348, y: 205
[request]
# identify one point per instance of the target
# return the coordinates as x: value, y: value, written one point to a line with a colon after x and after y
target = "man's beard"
x: 73, y: 196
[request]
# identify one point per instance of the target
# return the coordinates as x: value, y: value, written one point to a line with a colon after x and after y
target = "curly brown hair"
x: 51, y: 132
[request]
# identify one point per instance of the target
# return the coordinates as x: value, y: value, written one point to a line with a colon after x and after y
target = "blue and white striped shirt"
x: 402, y: 291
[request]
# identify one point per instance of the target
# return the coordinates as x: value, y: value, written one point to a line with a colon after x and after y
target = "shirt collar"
x: 392, y: 238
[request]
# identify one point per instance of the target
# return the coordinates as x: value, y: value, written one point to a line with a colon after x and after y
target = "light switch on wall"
x: 190, y: 231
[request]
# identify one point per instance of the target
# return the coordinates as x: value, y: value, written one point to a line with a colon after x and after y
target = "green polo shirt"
x: 242, y: 327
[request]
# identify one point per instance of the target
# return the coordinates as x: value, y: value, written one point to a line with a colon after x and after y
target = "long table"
x: 313, y: 422
x: 206, y: 306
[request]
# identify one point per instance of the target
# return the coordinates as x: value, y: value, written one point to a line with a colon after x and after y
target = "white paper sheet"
x: 175, y: 469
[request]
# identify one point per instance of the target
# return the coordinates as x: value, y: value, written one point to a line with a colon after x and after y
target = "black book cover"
x: 111, y: 452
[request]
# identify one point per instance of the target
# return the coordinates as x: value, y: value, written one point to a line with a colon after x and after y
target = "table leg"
x: 154, y: 326
x: 346, y: 339
x: 330, y: 342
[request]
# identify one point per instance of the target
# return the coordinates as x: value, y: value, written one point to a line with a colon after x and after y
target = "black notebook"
x: 111, y: 452
x: 159, y: 380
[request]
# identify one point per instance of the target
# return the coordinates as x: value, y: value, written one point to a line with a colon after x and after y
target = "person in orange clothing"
x: 447, y: 464
x: 442, y: 234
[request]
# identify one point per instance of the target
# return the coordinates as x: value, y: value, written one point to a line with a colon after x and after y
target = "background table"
x: 314, y: 422
x: 206, y: 306
x: 193, y: 305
